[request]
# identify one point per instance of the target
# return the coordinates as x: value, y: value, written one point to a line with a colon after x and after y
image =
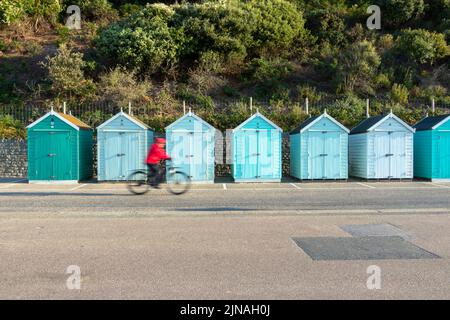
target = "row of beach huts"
x: 321, y: 148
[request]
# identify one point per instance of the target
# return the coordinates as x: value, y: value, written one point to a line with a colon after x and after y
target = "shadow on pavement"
x: 3, y: 194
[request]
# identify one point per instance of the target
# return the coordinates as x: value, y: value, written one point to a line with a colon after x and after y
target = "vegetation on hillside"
x: 156, y: 55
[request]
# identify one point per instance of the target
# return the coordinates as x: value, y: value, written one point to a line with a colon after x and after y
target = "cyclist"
x: 155, y: 155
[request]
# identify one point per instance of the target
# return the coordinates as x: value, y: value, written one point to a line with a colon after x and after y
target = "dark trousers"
x: 153, y: 169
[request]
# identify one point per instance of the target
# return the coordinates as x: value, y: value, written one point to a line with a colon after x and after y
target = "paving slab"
x: 375, y: 230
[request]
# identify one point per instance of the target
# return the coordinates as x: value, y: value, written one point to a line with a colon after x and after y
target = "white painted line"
x: 295, y: 186
x: 79, y: 187
x: 438, y: 185
x: 224, y: 185
x: 366, y: 185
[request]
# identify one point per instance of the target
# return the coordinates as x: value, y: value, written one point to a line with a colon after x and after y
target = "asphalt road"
x: 229, y: 198
x: 216, y: 242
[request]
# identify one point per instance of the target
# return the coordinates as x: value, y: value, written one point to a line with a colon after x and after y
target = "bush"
x: 120, y: 87
x: 10, y: 11
x: 142, y: 41
x: 11, y: 128
x: 395, y: 13
x: 65, y: 71
x: 276, y: 24
x: 399, y: 94
x: 420, y: 46
x: 357, y: 67
x: 94, y: 10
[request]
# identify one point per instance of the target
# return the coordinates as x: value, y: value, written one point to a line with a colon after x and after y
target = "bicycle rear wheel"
x: 138, y: 182
x: 178, y: 183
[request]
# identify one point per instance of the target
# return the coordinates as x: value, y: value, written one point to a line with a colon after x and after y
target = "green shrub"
x: 143, y: 40
x: 94, y: 10
x: 420, y: 46
x: 357, y: 67
x: 65, y: 71
x: 395, y: 13
x: 10, y: 11
x: 120, y: 87
x: 399, y: 94
x: 11, y: 128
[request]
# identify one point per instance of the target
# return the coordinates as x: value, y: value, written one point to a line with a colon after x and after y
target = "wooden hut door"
x: 397, y: 155
x: 248, y: 160
x: 382, y: 154
x: 53, y: 159
x: 316, y: 153
x: 266, y: 164
x: 113, y: 155
x: 181, y: 150
x: 332, y: 155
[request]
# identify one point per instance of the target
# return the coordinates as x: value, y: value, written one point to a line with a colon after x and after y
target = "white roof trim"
x: 121, y: 113
x: 437, y: 125
x: 55, y: 114
x: 391, y: 115
x: 325, y: 115
x: 190, y: 114
x: 257, y: 114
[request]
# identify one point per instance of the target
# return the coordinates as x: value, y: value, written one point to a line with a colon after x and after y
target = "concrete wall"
x: 13, y: 158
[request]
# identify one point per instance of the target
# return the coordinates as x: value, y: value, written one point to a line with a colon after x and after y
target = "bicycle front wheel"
x: 178, y: 183
x: 138, y: 182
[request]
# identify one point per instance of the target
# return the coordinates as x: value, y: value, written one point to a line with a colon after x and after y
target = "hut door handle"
x: 52, y: 154
x: 389, y: 154
x: 323, y: 154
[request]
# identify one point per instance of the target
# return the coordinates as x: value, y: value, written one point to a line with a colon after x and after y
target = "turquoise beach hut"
x: 432, y: 148
x: 381, y: 147
x: 122, y: 145
x: 319, y: 149
x: 190, y: 143
x: 59, y: 149
x: 256, y: 145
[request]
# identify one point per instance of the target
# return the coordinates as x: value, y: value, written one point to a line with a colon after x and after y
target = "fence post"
x: 307, y: 105
x: 251, y: 105
x: 367, y: 108
x: 184, y: 107
x: 129, y: 108
x: 64, y: 107
x: 433, y: 106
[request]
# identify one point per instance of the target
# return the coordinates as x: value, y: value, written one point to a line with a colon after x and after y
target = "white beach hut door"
x: 381, y: 155
x: 397, y: 155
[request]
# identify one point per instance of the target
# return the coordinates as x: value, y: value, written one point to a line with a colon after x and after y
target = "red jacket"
x: 156, y: 154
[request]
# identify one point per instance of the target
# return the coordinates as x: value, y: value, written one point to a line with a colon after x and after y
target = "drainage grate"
x: 375, y: 230
x: 361, y: 248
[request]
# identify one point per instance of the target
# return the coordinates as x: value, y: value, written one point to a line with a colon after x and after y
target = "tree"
x: 357, y: 66
x: 420, y: 46
x: 395, y: 13
x: 65, y: 71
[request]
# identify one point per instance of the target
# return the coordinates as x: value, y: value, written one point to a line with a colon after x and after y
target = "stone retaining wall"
x: 13, y: 158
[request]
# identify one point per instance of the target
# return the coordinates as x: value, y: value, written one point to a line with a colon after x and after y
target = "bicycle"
x: 140, y: 181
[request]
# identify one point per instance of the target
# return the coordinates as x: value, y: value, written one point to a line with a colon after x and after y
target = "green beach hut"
x: 59, y: 149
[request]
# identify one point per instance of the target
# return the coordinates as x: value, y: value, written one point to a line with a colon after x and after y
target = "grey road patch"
x: 362, y: 248
x: 375, y: 230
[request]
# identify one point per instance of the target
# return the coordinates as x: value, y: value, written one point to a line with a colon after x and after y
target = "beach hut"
x: 191, y: 143
x: 432, y: 148
x: 319, y: 149
x: 381, y: 147
x: 122, y: 145
x: 256, y: 145
x: 59, y: 149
